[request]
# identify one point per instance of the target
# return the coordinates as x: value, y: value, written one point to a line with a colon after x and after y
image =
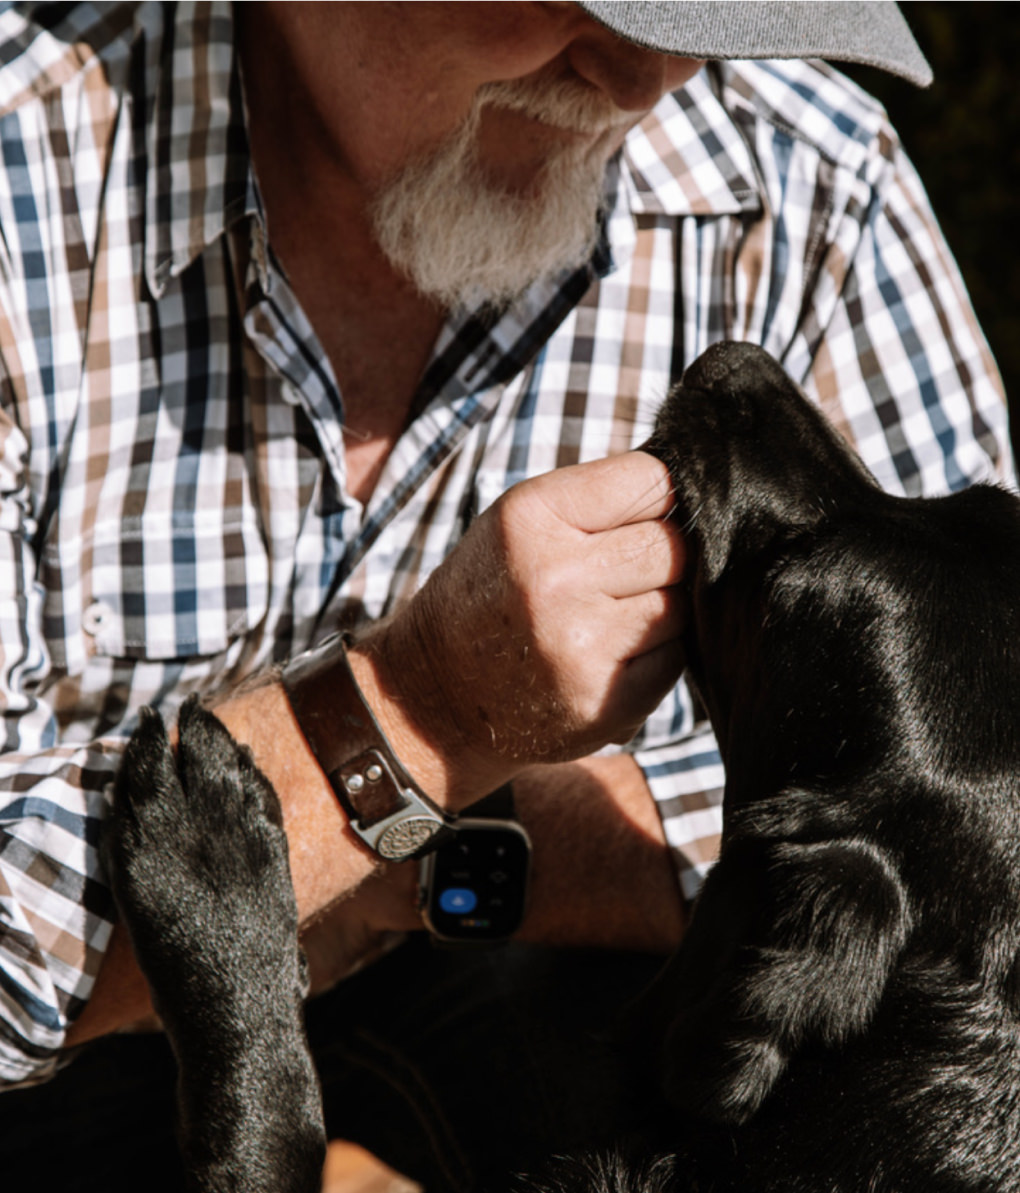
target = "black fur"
x: 197, y: 857
x: 617, y: 1169
x: 843, y: 1014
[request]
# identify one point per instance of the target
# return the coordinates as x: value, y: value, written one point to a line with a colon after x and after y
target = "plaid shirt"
x: 173, y: 508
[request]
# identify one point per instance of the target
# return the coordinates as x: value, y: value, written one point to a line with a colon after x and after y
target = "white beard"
x: 464, y: 240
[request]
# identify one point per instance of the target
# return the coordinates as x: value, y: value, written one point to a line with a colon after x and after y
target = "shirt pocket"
x: 158, y: 587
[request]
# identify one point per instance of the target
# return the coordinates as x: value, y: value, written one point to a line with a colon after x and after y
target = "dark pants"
x: 453, y: 1067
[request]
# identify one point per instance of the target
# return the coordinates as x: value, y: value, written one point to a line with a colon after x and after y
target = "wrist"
x: 359, y: 928
x: 324, y: 865
x: 411, y: 707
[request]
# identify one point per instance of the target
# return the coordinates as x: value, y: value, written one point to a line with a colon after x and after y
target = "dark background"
x: 963, y: 135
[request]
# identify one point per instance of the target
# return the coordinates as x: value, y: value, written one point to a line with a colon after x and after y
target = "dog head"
x: 833, y: 628
x: 754, y: 465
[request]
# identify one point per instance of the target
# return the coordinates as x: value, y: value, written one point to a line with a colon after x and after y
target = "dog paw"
x: 196, y: 855
x: 197, y: 859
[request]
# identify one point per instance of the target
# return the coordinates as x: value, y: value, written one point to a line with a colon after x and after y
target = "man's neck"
x: 376, y: 329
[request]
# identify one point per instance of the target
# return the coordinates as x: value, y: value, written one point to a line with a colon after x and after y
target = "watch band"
x: 383, y: 804
x: 497, y: 805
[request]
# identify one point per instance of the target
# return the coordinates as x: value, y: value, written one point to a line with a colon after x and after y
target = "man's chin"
x: 478, y: 246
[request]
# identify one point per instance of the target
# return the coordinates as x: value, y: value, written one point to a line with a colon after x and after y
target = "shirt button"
x: 95, y: 617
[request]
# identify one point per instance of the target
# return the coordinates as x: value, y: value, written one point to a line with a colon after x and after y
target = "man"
x: 289, y: 304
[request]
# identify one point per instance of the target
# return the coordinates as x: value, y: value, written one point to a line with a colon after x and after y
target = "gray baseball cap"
x: 873, y: 32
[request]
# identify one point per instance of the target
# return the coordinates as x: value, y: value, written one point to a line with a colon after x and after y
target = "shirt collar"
x: 199, y: 170
x: 687, y: 157
x: 43, y: 46
x: 190, y: 106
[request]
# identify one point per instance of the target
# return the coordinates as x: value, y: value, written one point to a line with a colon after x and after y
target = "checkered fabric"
x: 173, y: 508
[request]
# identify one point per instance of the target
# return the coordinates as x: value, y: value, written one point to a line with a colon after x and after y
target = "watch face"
x: 476, y: 883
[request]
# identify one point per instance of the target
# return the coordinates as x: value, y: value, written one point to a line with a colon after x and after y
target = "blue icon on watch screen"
x: 456, y: 900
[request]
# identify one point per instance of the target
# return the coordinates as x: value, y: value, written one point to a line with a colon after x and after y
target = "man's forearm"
x: 602, y: 873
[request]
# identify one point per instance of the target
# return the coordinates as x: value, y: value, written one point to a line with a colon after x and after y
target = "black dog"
x: 845, y: 1010
x: 844, y: 1014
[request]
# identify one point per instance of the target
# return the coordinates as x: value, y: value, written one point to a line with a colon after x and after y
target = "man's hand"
x: 550, y: 631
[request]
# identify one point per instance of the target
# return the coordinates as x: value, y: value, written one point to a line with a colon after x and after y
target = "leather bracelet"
x: 384, y: 806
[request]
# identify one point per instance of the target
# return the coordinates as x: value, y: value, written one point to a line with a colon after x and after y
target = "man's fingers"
x: 568, y: 586
x: 642, y: 624
x: 632, y: 487
x: 624, y: 630
x: 640, y: 557
x: 644, y: 684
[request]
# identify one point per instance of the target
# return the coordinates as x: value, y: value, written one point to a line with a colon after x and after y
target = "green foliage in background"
x: 963, y: 135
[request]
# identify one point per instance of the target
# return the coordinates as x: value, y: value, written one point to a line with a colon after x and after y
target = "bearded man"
x: 303, y: 305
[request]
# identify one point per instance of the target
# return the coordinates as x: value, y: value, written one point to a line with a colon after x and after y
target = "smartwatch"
x: 474, y: 885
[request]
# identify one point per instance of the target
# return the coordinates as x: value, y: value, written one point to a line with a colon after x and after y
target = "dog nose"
x: 731, y: 365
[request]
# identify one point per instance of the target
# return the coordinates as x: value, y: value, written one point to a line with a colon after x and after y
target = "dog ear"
x: 790, y: 944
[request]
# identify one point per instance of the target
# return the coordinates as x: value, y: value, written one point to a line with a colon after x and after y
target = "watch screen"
x: 478, y: 882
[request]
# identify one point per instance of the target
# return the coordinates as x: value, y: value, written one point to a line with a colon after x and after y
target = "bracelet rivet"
x: 374, y: 773
x: 354, y: 783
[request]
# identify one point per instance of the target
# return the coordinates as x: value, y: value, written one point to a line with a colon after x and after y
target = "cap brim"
x: 874, y: 32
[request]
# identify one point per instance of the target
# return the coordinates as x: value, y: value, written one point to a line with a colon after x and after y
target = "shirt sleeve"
x: 55, y: 912
x: 902, y: 367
